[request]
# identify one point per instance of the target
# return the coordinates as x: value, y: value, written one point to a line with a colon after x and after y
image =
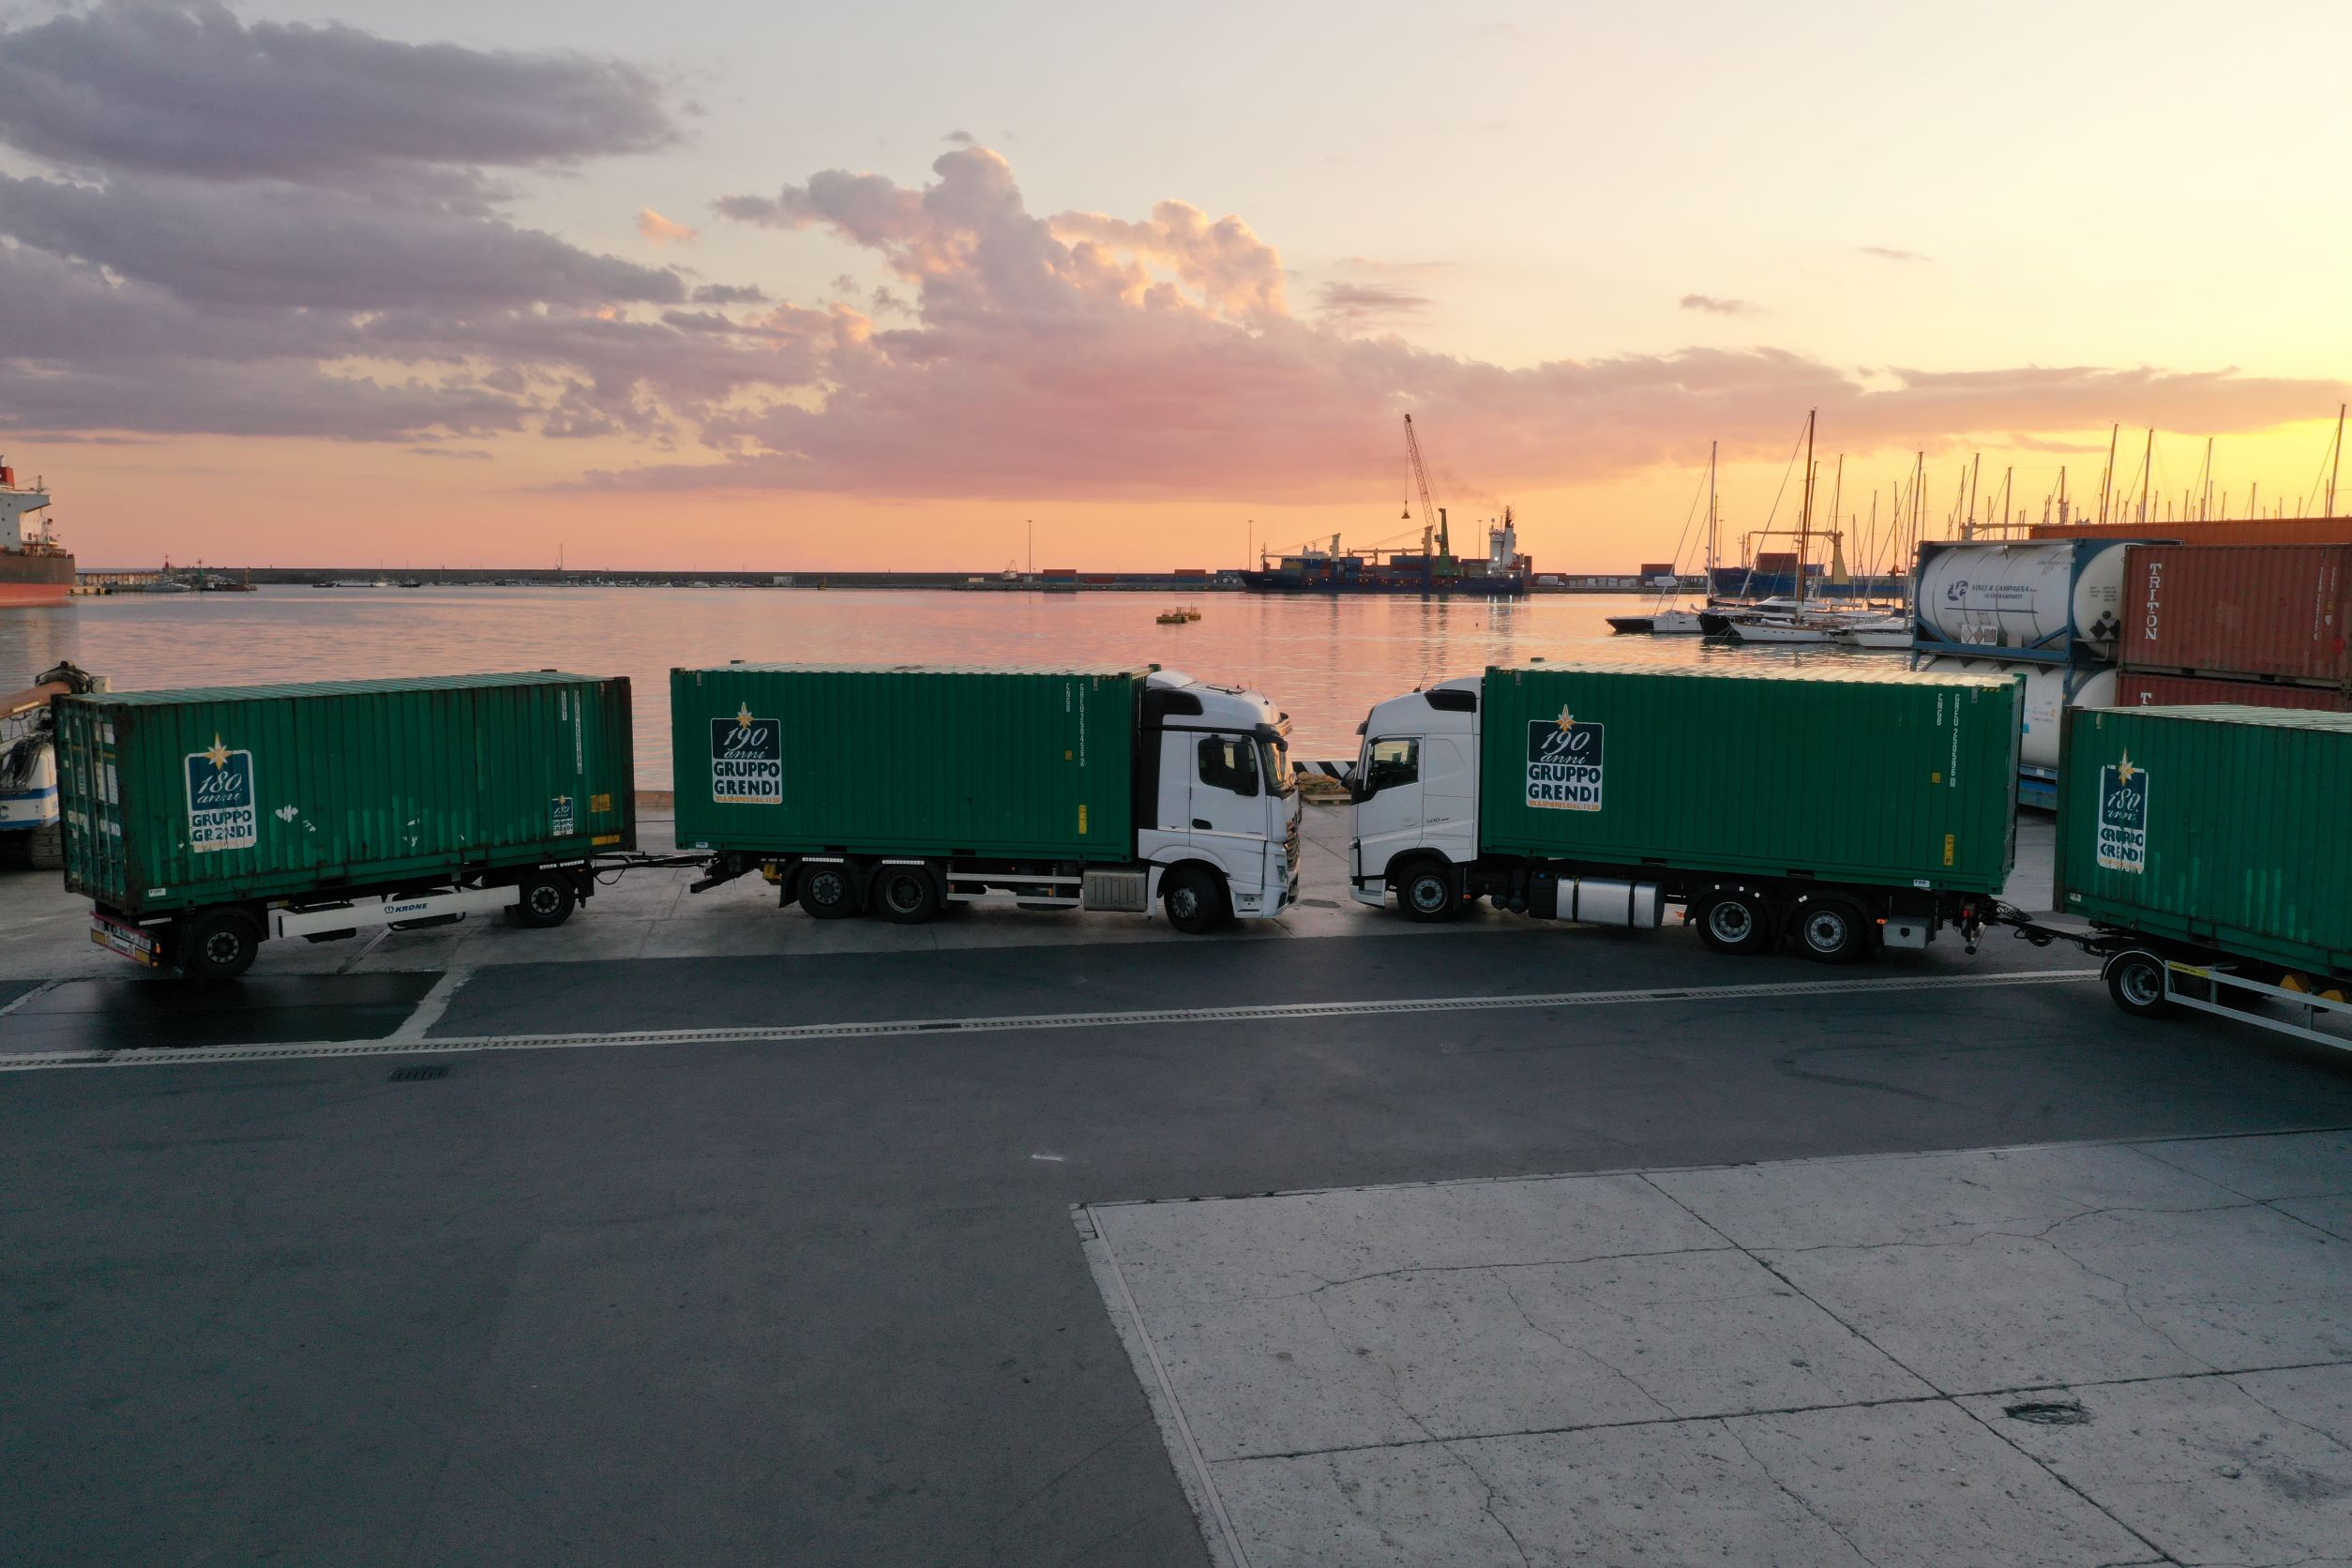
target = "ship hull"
x: 1481, y: 588
x: 34, y: 579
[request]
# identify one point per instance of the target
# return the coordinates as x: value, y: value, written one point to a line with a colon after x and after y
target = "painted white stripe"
x: 44, y: 987
x: 411, y: 1039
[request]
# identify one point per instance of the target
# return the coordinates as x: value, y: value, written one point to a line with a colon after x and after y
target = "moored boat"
x: 34, y: 568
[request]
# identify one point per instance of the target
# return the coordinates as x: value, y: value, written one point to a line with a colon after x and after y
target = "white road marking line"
x: 41, y: 989
x: 433, y: 1004
x: 411, y: 1037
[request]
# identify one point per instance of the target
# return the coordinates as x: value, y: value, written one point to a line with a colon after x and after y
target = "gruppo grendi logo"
x: 220, y: 813
x: 2123, y: 816
x: 746, y: 759
x: 1563, y: 763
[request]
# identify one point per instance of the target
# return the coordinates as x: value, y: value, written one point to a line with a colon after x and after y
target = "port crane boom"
x: 1421, y: 482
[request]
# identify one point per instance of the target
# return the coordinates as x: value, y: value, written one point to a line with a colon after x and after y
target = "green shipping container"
x: 1865, y: 776
x: 174, y: 800
x: 913, y: 760
x: 2225, y: 826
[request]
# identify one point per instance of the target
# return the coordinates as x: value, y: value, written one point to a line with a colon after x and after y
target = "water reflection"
x: 1326, y: 660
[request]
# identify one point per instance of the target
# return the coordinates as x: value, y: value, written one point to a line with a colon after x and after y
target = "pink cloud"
x: 1089, y: 356
x: 657, y: 230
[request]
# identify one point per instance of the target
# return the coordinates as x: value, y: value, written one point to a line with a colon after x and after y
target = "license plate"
x: 139, y: 947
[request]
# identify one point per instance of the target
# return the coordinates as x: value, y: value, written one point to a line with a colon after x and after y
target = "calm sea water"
x: 1325, y: 661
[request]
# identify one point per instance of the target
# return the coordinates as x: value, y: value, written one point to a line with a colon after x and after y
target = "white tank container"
x: 2050, y: 691
x: 2049, y: 595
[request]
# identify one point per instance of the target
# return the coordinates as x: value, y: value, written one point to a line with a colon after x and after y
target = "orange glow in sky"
x: 431, y: 286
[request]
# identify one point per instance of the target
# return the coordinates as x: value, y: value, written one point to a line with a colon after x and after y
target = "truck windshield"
x: 1276, y: 759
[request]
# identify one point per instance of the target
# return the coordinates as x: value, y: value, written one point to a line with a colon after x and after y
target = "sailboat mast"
x: 1710, y: 517
x: 2106, y: 476
x: 2148, y: 471
x: 1805, y: 520
x: 2335, y: 463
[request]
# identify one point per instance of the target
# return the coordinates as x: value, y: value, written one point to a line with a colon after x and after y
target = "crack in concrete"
x: 2042, y: 1234
x: 1593, y: 1356
x: 1792, y: 1494
x: 1324, y: 1285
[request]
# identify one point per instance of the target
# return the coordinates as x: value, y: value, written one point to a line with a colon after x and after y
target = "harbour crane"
x: 1421, y: 481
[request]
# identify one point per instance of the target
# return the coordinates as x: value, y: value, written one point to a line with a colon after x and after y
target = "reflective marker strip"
x: 757, y: 1034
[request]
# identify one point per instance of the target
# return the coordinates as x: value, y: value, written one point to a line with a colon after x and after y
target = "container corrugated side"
x: 798, y: 759
x: 2213, y: 825
x: 2139, y: 689
x: 178, y: 799
x: 1887, y: 778
x: 2279, y: 611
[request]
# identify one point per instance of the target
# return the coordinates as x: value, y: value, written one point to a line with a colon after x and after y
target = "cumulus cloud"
x: 274, y: 244
x: 186, y: 88
x: 309, y: 236
x: 657, y: 230
x: 1888, y: 253
x: 1083, y: 354
x: 1711, y: 305
x: 287, y: 229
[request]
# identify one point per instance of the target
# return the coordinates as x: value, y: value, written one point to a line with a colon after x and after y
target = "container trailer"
x: 901, y: 792
x: 2205, y: 855
x: 1840, y: 812
x: 201, y: 821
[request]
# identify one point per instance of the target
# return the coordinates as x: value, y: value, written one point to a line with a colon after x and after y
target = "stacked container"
x: 2262, y: 625
x: 2048, y: 610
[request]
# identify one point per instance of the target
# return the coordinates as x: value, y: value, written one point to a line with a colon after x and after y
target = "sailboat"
x: 1674, y: 620
x: 1799, y: 626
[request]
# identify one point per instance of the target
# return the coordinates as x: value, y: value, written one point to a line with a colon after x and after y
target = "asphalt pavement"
x: 742, y: 1295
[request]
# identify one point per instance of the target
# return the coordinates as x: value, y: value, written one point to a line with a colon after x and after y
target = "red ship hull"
x: 42, y: 577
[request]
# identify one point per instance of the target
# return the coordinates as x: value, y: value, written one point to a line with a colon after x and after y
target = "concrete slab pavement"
x: 1882, y: 1360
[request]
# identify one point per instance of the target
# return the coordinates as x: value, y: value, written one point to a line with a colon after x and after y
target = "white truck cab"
x: 1416, y: 786
x: 1226, y: 802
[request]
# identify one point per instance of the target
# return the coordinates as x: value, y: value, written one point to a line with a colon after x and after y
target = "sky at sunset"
x: 730, y: 284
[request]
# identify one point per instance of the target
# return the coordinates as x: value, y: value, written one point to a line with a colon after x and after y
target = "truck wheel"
x: 1736, y: 920
x: 547, y: 897
x: 1195, y: 900
x: 827, y: 892
x: 906, y: 894
x: 1832, y: 932
x: 217, y: 944
x: 2136, y: 982
x: 1427, y: 892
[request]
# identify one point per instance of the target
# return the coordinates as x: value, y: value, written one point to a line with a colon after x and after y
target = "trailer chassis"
x: 2150, y: 976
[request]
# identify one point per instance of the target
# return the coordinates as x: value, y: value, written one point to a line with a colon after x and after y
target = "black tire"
x: 1194, y: 897
x: 1833, y: 930
x: 906, y: 894
x: 217, y: 944
x: 548, y: 899
x: 828, y: 891
x: 2135, y: 980
x: 1735, y: 921
x: 1426, y: 891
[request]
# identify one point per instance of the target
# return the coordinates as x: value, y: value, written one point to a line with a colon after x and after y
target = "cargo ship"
x: 34, y: 568
x: 1503, y: 572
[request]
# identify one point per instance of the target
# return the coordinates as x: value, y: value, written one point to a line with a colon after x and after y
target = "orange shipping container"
x: 2176, y: 691
x: 2275, y: 611
x: 2237, y: 531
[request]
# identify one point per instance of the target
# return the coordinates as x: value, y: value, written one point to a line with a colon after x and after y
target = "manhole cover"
x: 418, y: 1075
x: 2049, y: 1412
